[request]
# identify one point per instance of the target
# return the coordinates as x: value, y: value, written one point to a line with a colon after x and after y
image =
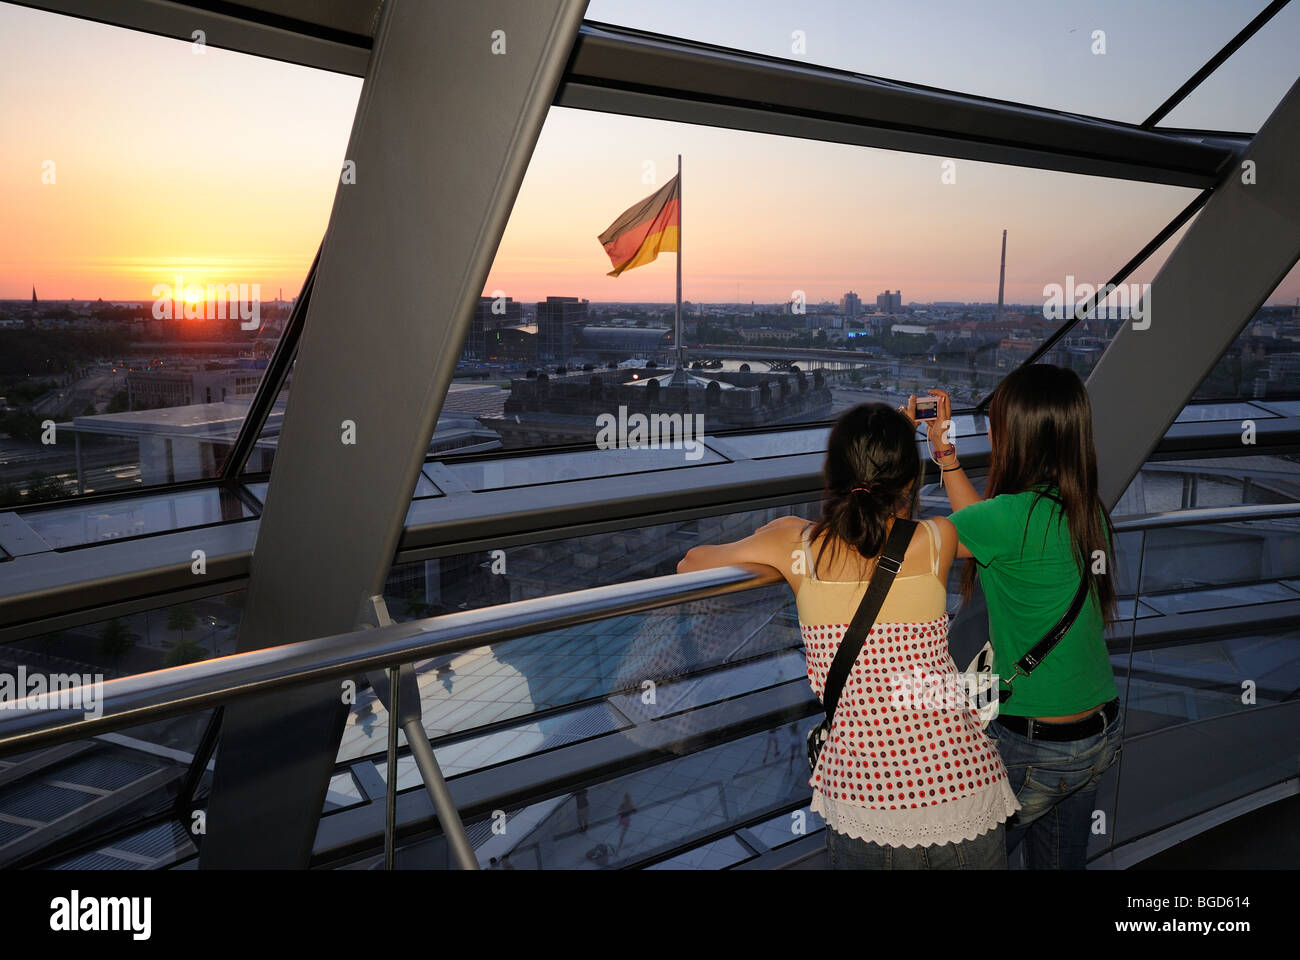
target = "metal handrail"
x: 385, y: 650
x: 1204, y: 515
x: 142, y: 698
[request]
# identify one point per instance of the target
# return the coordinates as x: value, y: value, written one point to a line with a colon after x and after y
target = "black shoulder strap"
x: 891, y: 558
x: 1030, y: 661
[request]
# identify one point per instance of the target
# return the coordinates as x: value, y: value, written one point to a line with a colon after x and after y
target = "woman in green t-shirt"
x: 1039, y: 529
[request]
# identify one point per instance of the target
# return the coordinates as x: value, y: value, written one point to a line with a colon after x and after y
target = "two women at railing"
x: 908, y: 781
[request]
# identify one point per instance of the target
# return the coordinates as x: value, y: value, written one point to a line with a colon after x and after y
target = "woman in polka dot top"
x: 906, y: 779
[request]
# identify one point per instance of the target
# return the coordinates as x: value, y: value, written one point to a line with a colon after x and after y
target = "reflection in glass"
x: 1166, y: 485
x: 525, y: 471
x: 783, y: 444
x: 61, y: 797
x: 80, y: 524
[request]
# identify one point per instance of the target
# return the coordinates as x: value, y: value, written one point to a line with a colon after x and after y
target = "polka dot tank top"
x: 906, y: 763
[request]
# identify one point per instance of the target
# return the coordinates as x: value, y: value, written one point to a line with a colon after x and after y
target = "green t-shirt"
x: 1030, y: 572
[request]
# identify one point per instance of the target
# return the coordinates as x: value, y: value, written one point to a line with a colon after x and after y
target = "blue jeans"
x: 988, y: 851
x: 1056, y: 784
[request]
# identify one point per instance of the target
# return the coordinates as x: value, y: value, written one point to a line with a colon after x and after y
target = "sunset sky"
x: 222, y: 167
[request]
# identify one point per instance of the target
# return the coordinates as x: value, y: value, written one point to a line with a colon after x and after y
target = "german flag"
x: 645, y: 229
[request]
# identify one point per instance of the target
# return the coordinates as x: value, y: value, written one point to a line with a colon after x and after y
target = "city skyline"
x: 762, y: 216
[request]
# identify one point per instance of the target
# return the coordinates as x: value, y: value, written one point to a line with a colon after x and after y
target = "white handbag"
x: 984, y: 687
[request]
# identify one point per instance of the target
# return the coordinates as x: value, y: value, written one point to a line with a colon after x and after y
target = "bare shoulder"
x: 784, y: 526
x: 947, y: 534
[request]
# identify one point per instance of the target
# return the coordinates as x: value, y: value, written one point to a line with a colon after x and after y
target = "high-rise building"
x: 491, y: 312
x: 888, y: 302
x: 851, y: 305
x: 558, y: 320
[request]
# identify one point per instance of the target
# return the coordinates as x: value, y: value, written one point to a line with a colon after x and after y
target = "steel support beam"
x: 442, y: 137
x: 1232, y: 257
x: 615, y: 70
x: 631, y: 72
x: 326, y: 36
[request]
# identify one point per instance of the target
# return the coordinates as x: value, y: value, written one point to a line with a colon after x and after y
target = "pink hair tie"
x: 863, y: 489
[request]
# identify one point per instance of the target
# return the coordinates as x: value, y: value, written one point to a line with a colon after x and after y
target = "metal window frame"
x: 1213, y: 64
x: 62, y: 589
x: 620, y: 70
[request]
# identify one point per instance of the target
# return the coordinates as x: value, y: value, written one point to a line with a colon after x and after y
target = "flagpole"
x: 677, y: 316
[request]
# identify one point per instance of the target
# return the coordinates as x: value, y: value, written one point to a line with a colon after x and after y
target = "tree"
x: 115, y: 639
x: 181, y: 618
x: 416, y: 607
x: 184, y: 650
x: 119, y: 403
x: 41, y: 486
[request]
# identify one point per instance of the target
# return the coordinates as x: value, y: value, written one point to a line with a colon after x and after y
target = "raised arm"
x: 961, y: 493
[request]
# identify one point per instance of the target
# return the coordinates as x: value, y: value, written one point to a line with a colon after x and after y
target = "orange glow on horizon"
x: 102, y: 199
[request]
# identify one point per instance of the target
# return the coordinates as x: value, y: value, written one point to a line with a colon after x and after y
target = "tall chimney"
x: 1002, y: 274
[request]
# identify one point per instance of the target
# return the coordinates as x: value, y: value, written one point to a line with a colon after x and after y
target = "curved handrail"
x: 142, y: 698
x: 145, y: 697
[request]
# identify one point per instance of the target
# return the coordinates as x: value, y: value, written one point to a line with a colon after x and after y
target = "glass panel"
x: 1212, y: 412
x: 1242, y: 595
x: 679, y: 696
x: 1045, y: 54
x: 1226, y: 693
x: 424, y: 488
x: 783, y: 323
x: 648, y: 813
x: 1244, y: 90
x: 1233, y: 754
x: 50, y: 799
x: 718, y: 855
x: 153, y: 848
x: 343, y: 792
x: 522, y: 472
x: 141, y: 328
x: 80, y: 524
x: 1083, y: 345
x: 370, y: 735
x: 787, y: 827
x: 783, y: 444
x: 1182, y: 559
x: 696, y: 653
x: 1162, y: 486
x: 261, y: 457
x: 1263, y: 363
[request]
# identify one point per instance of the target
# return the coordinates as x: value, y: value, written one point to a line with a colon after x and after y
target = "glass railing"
x: 1207, y: 659
x: 1206, y: 656
x: 492, y: 701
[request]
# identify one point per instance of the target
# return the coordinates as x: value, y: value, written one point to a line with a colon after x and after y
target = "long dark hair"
x: 872, y: 448
x: 1041, y: 422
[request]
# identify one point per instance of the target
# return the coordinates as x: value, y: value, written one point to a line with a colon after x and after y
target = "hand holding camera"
x: 934, y: 411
